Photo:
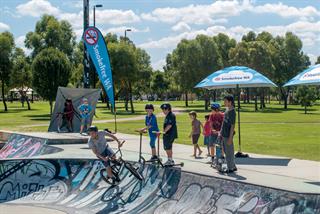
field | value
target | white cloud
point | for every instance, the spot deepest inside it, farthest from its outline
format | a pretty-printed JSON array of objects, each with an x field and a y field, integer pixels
[
  {"x": 313, "y": 58},
  {"x": 220, "y": 10},
  {"x": 181, "y": 26},
  {"x": 116, "y": 17},
  {"x": 195, "y": 14},
  {"x": 20, "y": 43},
  {"x": 4, "y": 27},
  {"x": 286, "y": 11},
  {"x": 170, "y": 42},
  {"x": 158, "y": 65},
  {"x": 36, "y": 8},
  {"x": 308, "y": 32},
  {"x": 120, "y": 30}
]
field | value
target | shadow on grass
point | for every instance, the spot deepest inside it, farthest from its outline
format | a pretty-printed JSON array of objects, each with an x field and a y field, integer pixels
[
  {"x": 39, "y": 117},
  {"x": 17, "y": 110},
  {"x": 263, "y": 161}
]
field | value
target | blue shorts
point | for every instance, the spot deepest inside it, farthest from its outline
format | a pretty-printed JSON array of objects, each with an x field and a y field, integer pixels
[
  {"x": 153, "y": 139},
  {"x": 207, "y": 140},
  {"x": 213, "y": 140},
  {"x": 107, "y": 153},
  {"x": 85, "y": 121}
]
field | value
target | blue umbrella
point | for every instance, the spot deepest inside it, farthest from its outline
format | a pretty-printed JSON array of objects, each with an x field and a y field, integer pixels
[
  {"x": 310, "y": 76},
  {"x": 236, "y": 77}
]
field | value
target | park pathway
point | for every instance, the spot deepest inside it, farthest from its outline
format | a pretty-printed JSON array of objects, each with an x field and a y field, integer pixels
[{"x": 140, "y": 117}]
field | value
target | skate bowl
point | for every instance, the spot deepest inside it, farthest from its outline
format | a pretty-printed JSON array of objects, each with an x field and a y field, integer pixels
[
  {"x": 75, "y": 186},
  {"x": 24, "y": 146}
]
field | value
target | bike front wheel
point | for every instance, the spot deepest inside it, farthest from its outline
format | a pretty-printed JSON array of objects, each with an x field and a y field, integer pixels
[{"x": 133, "y": 171}]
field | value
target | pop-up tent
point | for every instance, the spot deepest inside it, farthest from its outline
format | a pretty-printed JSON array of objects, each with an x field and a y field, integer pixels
[
  {"x": 235, "y": 77},
  {"x": 76, "y": 95},
  {"x": 310, "y": 76}
]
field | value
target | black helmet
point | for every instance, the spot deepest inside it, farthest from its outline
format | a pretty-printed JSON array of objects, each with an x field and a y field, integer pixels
[
  {"x": 165, "y": 106},
  {"x": 149, "y": 106},
  {"x": 92, "y": 129}
]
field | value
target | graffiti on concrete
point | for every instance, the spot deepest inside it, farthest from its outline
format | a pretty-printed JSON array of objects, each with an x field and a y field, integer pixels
[
  {"x": 75, "y": 186},
  {"x": 21, "y": 146}
]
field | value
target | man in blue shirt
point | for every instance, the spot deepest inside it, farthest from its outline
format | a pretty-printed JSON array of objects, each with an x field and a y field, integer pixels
[
  {"x": 151, "y": 126},
  {"x": 85, "y": 111}
]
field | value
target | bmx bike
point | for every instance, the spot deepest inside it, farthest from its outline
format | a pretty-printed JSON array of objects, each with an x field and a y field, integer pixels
[{"x": 117, "y": 165}]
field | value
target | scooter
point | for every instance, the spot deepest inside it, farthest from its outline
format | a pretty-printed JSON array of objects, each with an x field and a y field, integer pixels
[
  {"x": 219, "y": 161},
  {"x": 159, "y": 161}
]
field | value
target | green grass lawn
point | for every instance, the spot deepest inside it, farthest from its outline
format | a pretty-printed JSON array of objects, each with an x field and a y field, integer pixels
[{"x": 272, "y": 131}]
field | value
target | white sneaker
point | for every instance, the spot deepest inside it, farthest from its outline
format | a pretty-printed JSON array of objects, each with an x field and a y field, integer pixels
[{"x": 169, "y": 163}]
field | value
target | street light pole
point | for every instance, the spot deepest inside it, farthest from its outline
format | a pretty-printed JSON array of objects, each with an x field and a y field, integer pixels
[
  {"x": 94, "y": 25},
  {"x": 125, "y": 34},
  {"x": 86, "y": 64},
  {"x": 94, "y": 13}
]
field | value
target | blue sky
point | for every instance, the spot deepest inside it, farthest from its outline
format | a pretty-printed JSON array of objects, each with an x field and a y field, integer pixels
[{"x": 158, "y": 25}]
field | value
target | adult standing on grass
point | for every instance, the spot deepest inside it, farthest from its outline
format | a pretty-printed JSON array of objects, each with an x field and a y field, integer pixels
[
  {"x": 227, "y": 132},
  {"x": 170, "y": 132}
]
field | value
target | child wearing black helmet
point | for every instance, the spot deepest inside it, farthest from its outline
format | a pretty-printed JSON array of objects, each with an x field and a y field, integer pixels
[
  {"x": 170, "y": 132},
  {"x": 151, "y": 126}
]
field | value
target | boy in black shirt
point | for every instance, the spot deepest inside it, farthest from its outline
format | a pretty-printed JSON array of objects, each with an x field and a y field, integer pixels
[{"x": 170, "y": 132}]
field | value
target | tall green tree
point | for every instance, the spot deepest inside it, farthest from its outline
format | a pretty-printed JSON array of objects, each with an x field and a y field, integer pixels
[
  {"x": 224, "y": 44},
  {"x": 21, "y": 76},
  {"x": 192, "y": 61},
  {"x": 306, "y": 96},
  {"x": 49, "y": 32},
  {"x": 318, "y": 60},
  {"x": 288, "y": 60},
  {"x": 7, "y": 48},
  {"x": 51, "y": 69},
  {"x": 124, "y": 69},
  {"x": 159, "y": 84}
]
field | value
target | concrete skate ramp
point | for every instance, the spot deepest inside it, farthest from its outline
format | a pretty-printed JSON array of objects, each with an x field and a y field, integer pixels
[
  {"x": 75, "y": 186},
  {"x": 23, "y": 146}
]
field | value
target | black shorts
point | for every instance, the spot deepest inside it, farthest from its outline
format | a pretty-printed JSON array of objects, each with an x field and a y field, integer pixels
[
  {"x": 167, "y": 142},
  {"x": 195, "y": 138}
]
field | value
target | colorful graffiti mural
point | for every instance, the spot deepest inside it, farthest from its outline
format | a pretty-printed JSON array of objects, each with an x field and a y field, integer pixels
[
  {"x": 75, "y": 186},
  {"x": 22, "y": 146}
]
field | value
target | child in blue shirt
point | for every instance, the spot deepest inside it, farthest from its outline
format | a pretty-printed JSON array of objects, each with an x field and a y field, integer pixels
[
  {"x": 85, "y": 110},
  {"x": 151, "y": 126}
]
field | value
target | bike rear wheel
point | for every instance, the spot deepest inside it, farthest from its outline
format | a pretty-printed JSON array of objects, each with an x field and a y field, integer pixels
[{"x": 133, "y": 171}]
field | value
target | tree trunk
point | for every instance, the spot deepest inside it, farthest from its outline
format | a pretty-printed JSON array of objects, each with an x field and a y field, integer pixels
[
  {"x": 262, "y": 103},
  {"x": 50, "y": 103},
  {"x": 187, "y": 99},
  {"x": 130, "y": 97},
  {"x": 256, "y": 102},
  {"x": 206, "y": 101},
  {"x": 305, "y": 109},
  {"x": 3, "y": 98},
  {"x": 284, "y": 95},
  {"x": 126, "y": 100},
  {"x": 214, "y": 95}
]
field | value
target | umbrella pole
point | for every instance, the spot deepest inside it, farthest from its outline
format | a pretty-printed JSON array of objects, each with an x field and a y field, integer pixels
[
  {"x": 239, "y": 154},
  {"x": 115, "y": 117},
  {"x": 239, "y": 135}
]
